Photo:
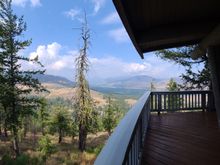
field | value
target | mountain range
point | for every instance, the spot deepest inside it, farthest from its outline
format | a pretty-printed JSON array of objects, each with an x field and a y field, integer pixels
[
  {"x": 132, "y": 82},
  {"x": 62, "y": 81}
]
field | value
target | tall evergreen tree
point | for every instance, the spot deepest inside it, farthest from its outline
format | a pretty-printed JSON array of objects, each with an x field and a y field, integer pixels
[
  {"x": 172, "y": 85},
  {"x": 83, "y": 100},
  {"x": 16, "y": 84},
  {"x": 192, "y": 78},
  {"x": 111, "y": 116},
  {"x": 174, "y": 100},
  {"x": 43, "y": 114},
  {"x": 60, "y": 121}
]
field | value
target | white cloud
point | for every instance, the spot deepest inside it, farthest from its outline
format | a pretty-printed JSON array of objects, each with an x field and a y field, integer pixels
[
  {"x": 35, "y": 3},
  {"x": 111, "y": 18},
  {"x": 115, "y": 67},
  {"x": 23, "y": 3},
  {"x": 161, "y": 68},
  {"x": 53, "y": 49},
  {"x": 58, "y": 65},
  {"x": 111, "y": 67},
  {"x": 137, "y": 68},
  {"x": 73, "y": 13},
  {"x": 54, "y": 61},
  {"x": 98, "y": 4},
  {"x": 60, "y": 62},
  {"x": 46, "y": 53},
  {"x": 119, "y": 35}
]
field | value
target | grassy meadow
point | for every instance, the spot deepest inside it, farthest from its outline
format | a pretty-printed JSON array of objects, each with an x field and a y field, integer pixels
[{"x": 66, "y": 153}]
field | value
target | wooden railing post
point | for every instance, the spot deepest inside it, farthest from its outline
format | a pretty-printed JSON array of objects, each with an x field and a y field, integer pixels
[
  {"x": 159, "y": 103},
  {"x": 203, "y": 102},
  {"x": 211, "y": 106}
]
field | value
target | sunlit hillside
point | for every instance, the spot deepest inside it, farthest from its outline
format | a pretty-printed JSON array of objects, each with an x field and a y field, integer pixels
[{"x": 57, "y": 90}]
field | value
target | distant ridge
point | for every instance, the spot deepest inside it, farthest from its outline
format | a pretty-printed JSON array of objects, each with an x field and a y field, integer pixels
[
  {"x": 133, "y": 82},
  {"x": 137, "y": 82},
  {"x": 46, "y": 78}
]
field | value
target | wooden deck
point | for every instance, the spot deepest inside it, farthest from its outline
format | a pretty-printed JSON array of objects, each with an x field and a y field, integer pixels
[{"x": 183, "y": 138}]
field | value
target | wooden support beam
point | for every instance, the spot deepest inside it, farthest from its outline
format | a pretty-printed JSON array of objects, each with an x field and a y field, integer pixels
[
  {"x": 214, "y": 60},
  {"x": 211, "y": 40}
]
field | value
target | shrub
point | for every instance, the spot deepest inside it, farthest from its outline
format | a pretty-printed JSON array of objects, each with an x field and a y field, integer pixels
[
  {"x": 20, "y": 160},
  {"x": 45, "y": 147}
]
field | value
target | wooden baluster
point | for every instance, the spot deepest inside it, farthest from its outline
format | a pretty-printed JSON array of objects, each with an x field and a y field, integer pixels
[
  {"x": 159, "y": 103},
  {"x": 203, "y": 102},
  {"x": 165, "y": 102},
  {"x": 190, "y": 102},
  {"x": 197, "y": 100},
  {"x": 156, "y": 108},
  {"x": 169, "y": 98},
  {"x": 183, "y": 101},
  {"x": 151, "y": 101},
  {"x": 193, "y": 100},
  {"x": 172, "y": 96},
  {"x": 175, "y": 101}
]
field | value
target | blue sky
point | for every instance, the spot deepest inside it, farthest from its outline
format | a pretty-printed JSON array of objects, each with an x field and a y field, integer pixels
[{"x": 51, "y": 23}]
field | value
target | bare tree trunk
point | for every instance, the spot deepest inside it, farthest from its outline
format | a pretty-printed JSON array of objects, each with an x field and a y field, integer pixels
[
  {"x": 25, "y": 130},
  {"x": 5, "y": 124},
  {"x": 60, "y": 136},
  {"x": 214, "y": 60},
  {"x": 34, "y": 135},
  {"x": 42, "y": 130},
  {"x": 82, "y": 137},
  {"x": 15, "y": 142},
  {"x": 5, "y": 131}
]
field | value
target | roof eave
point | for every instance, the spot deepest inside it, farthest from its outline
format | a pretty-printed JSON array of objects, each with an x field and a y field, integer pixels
[{"x": 121, "y": 11}]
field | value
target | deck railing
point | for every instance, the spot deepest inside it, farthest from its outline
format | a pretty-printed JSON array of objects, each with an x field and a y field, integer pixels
[
  {"x": 125, "y": 144},
  {"x": 182, "y": 100}
]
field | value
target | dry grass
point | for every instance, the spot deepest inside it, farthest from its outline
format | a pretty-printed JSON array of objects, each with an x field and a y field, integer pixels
[
  {"x": 130, "y": 102},
  {"x": 68, "y": 93},
  {"x": 66, "y": 152}
]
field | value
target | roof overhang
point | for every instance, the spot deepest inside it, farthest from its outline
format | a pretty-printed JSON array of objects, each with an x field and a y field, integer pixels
[{"x": 159, "y": 24}]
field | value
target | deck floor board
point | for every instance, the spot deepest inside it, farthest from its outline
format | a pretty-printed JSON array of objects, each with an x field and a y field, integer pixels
[{"x": 182, "y": 138}]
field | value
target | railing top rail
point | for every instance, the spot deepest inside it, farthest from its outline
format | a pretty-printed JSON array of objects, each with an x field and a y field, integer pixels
[
  {"x": 115, "y": 149},
  {"x": 167, "y": 92}
]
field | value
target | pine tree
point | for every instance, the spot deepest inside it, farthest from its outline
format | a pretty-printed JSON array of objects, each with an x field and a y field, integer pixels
[
  {"x": 172, "y": 85},
  {"x": 83, "y": 101},
  {"x": 175, "y": 100},
  {"x": 60, "y": 121},
  {"x": 152, "y": 87},
  {"x": 111, "y": 116},
  {"x": 43, "y": 114},
  {"x": 16, "y": 84},
  {"x": 191, "y": 79}
]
